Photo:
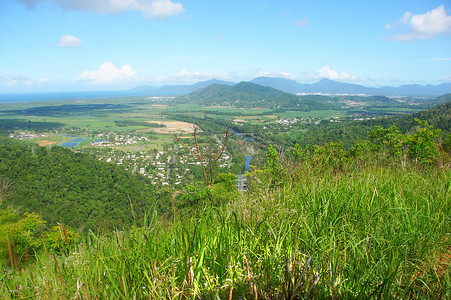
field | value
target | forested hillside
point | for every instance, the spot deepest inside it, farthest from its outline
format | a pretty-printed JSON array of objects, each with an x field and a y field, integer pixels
[{"x": 71, "y": 188}]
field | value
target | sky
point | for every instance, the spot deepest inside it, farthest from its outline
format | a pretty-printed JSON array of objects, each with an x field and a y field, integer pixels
[{"x": 82, "y": 45}]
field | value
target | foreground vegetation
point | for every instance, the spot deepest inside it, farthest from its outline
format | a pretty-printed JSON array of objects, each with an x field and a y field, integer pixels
[
  {"x": 368, "y": 217},
  {"x": 317, "y": 222}
]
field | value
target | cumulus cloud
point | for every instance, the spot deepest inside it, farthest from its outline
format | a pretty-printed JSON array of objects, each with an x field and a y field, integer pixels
[
  {"x": 69, "y": 41},
  {"x": 108, "y": 73},
  {"x": 162, "y": 9},
  {"x": 327, "y": 72},
  {"x": 421, "y": 26},
  {"x": 402, "y": 21},
  {"x": 153, "y": 9}
]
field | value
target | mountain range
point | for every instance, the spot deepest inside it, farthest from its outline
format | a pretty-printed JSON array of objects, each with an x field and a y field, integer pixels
[{"x": 324, "y": 86}]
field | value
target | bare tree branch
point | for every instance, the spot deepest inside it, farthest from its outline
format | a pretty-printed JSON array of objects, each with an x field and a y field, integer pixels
[{"x": 212, "y": 155}]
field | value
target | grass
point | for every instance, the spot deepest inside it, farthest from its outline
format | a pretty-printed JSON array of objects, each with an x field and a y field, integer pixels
[{"x": 373, "y": 232}]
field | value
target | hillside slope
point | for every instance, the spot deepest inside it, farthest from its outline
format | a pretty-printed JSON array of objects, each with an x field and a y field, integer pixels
[{"x": 71, "y": 188}]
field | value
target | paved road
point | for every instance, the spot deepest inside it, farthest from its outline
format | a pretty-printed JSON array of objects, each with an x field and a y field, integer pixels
[{"x": 241, "y": 182}]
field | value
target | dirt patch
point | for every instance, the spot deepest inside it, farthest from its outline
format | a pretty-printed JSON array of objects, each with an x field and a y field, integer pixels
[
  {"x": 45, "y": 143},
  {"x": 174, "y": 127},
  {"x": 159, "y": 105}
]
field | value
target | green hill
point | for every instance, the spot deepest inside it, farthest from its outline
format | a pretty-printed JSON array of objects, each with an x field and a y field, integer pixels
[
  {"x": 250, "y": 95},
  {"x": 71, "y": 188}
]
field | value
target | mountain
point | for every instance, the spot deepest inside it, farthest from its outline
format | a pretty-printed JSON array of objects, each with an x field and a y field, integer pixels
[
  {"x": 281, "y": 84},
  {"x": 251, "y": 95},
  {"x": 327, "y": 86},
  {"x": 179, "y": 89},
  {"x": 416, "y": 90},
  {"x": 324, "y": 86}
]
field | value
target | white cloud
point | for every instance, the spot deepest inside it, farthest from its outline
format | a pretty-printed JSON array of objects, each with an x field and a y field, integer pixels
[
  {"x": 162, "y": 9},
  {"x": 446, "y": 78},
  {"x": 422, "y": 26},
  {"x": 153, "y": 9},
  {"x": 327, "y": 72},
  {"x": 402, "y": 21},
  {"x": 12, "y": 80},
  {"x": 108, "y": 73},
  {"x": 69, "y": 41},
  {"x": 301, "y": 23},
  {"x": 275, "y": 74}
]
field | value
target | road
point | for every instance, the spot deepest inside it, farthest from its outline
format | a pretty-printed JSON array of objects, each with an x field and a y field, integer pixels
[{"x": 241, "y": 182}]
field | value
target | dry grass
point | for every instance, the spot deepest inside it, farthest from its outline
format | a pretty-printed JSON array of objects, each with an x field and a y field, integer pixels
[
  {"x": 45, "y": 143},
  {"x": 174, "y": 127}
]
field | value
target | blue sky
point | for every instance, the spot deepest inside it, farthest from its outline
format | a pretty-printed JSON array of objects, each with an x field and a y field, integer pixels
[{"x": 74, "y": 45}]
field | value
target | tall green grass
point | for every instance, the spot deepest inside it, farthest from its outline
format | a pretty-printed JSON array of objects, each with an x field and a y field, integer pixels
[{"x": 372, "y": 232}]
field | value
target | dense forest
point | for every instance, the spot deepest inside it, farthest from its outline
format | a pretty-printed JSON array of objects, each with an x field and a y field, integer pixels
[{"x": 71, "y": 188}]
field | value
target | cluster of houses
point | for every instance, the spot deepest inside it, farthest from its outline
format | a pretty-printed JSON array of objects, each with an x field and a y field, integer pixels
[
  {"x": 24, "y": 135},
  {"x": 113, "y": 139},
  {"x": 166, "y": 167},
  {"x": 304, "y": 120},
  {"x": 170, "y": 166}
]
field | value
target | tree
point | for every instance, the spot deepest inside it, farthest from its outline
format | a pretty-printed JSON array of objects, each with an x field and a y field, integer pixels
[
  {"x": 273, "y": 164},
  {"x": 388, "y": 140},
  {"x": 421, "y": 145}
]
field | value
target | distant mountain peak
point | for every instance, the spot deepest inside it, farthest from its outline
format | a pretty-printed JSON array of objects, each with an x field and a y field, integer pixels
[{"x": 323, "y": 86}]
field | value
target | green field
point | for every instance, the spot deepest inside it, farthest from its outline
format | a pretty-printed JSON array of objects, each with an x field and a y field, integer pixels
[{"x": 57, "y": 118}]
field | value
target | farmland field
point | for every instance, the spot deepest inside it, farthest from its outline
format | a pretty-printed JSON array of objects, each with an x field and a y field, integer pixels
[{"x": 126, "y": 115}]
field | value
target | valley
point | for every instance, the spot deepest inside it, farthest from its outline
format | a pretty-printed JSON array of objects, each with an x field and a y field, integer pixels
[{"x": 203, "y": 169}]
